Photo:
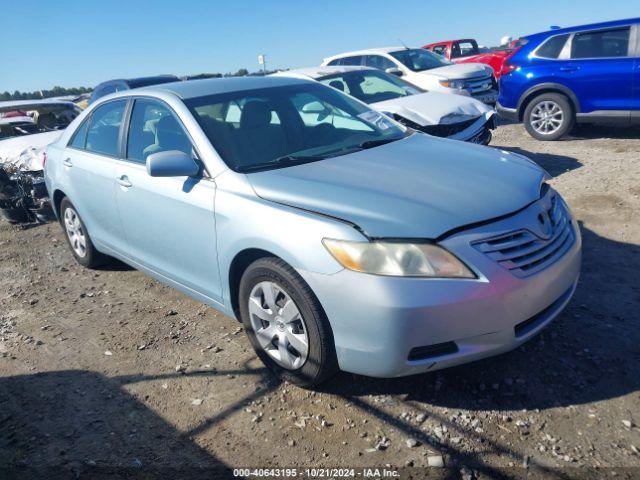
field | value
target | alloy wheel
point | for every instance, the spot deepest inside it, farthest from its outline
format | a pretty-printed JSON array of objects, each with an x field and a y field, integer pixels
[
  {"x": 75, "y": 232},
  {"x": 547, "y": 117},
  {"x": 278, "y": 325}
]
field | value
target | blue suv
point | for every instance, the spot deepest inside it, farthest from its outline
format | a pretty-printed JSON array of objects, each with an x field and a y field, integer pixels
[{"x": 589, "y": 73}]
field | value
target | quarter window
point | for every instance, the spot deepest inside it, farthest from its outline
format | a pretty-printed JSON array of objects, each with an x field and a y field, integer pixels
[
  {"x": 153, "y": 128},
  {"x": 80, "y": 136},
  {"x": 552, "y": 47},
  {"x": 102, "y": 136},
  {"x": 601, "y": 44}
]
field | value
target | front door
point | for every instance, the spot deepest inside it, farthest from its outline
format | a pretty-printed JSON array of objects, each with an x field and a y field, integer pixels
[{"x": 169, "y": 221}]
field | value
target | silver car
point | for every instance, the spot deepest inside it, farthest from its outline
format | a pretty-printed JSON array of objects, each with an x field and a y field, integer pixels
[{"x": 339, "y": 238}]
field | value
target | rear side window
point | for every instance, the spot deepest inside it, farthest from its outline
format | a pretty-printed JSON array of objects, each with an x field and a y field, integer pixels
[
  {"x": 357, "y": 60},
  {"x": 102, "y": 136},
  {"x": 80, "y": 136},
  {"x": 379, "y": 62},
  {"x": 552, "y": 47},
  {"x": 601, "y": 44},
  {"x": 153, "y": 128}
]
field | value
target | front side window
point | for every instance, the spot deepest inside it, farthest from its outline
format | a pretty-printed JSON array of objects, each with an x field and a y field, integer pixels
[
  {"x": 601, "y": 44},
  {"x": 104, "y": 129},
  {"x": 552, "y": 47},
  {"x": 379, "y": 62},
  {"x": 440, "y": 49},
  {"x": 280, "y": 126},
  {"x": 464, "y": 49},
  {"x": 419, "y": 59},
  {"x": 357, "y": 60},
  {"x": 370, "y": 86},
  {"x": 153, "y": 128}
]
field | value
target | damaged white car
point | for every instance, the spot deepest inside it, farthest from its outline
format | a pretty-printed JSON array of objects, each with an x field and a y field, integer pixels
[
  {"x": 26, "y": 128},
  {"x": 455, "y": 117}
]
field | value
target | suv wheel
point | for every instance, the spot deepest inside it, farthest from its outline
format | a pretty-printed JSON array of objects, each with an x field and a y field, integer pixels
[
  {"x": 78, "y": 237},
  {"x": 548, "y": 116},
  {"x": 286, "y": 324}
]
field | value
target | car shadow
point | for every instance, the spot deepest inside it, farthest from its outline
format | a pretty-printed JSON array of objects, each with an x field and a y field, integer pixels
[
  {"x": 80, "y": 424},
  {"x": 588, "y": 354},
  {"x": 589, "y": 131},
  {"x": 554, "y": 164}
]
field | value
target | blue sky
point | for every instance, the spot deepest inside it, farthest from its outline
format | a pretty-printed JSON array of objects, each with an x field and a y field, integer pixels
[{"x": 72, "y": 43}]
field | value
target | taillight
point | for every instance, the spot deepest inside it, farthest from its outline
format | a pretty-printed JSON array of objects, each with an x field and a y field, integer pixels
[{"x": 507, "y": 66}]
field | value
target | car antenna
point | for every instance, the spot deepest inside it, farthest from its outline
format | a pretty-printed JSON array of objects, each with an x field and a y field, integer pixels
[{"x": 404, "y": 45}]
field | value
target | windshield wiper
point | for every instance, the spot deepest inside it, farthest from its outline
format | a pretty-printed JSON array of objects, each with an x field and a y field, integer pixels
[
  {"x": 284, "y": 161},
  {"x": 377, "y": 142}
]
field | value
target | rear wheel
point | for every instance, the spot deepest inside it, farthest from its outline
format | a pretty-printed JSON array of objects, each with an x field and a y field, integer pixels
[
  {"x": 549, "y": 116},
  {"x": 286, "y": 324},
  {"x": 78, "y": 237}
]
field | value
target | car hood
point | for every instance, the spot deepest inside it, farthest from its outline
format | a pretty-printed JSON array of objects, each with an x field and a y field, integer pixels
[
  {"x": 418, "y": 187},
  {"x": 461, "y": 71},
  {"x": 433, "y": 108}
]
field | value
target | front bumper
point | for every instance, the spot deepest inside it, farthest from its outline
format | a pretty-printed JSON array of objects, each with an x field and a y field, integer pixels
[
  {"x": 509, "y": 114},
  {"x": 379, "y": 321}
]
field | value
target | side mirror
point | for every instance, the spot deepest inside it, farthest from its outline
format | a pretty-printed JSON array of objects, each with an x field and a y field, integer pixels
[
  {"x": 394, "y": 71},
  {"x": 171, "y": 163},
  {"x": 313, "y": 107}
]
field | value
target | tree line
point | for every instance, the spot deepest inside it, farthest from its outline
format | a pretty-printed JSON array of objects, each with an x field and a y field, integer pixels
[{"x": 62, "y": 91}]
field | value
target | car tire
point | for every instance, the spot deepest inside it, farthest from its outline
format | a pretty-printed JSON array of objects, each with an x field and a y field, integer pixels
[
  {"x": 78, "y": 237},
  {"x": 549, "y": 116},
  {"x": 271, "y": 281}
]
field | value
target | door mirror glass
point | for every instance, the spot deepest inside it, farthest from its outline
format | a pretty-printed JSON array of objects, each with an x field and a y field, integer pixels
[
  {"x": 172, "y": 163},
  {"x": 394, "y": 71}
]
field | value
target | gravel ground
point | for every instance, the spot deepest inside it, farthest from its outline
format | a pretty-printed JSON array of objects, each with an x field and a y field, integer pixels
[{"x": 111, "y": 373}]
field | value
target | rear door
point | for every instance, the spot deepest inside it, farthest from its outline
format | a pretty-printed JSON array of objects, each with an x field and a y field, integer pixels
[
  {"x": 635, "y": 39},
  {"x": 89, "y": 164},
  {"x": 169, "y": 221},
  {"x": 599, "y": 67}
]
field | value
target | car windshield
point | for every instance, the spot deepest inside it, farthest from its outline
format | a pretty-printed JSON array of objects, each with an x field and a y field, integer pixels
[
  {"x": 276, "y": 127},
  {"x": 419, "y": 60},
  {"x": 32, "y": 119},
  {"x": 370, "y": 86}
]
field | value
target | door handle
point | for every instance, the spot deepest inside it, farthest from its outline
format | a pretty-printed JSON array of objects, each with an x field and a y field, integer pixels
[
  {"x": 123, "y": 181},
  {"x": 569, "y": 69},
  {"x": 67, "y": 162}
]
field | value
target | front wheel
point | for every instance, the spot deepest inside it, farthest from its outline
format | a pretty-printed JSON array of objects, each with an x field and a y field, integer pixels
[
  {"x": 286, "y": 324},
  {"x": 78, "y": 238},
  {"x": 549, "y": 116}
]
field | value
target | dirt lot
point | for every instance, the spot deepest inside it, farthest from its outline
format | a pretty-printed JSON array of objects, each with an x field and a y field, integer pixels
[{"x": 109, "y": 373}]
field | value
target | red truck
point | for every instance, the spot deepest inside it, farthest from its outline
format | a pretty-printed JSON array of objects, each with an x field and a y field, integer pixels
[{"x": 466, "y": 51}]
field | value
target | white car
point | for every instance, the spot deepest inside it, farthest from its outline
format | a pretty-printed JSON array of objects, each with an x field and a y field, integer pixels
[
  {"x": 426, "y": 70},
  {"x": 27, "y": 127},
  {"x": 451, "y": 116}
]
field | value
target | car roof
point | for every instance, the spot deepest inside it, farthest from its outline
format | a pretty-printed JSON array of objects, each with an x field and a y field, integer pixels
[
  {"x": 11, "y": 105},
  {"x": 139, "y": 79},
  {"x": 319, "y": 72},
  {"x": 369, "y": 51},
  {"x": 212, "y": 86},
  {"x": 591, "y": 26}
]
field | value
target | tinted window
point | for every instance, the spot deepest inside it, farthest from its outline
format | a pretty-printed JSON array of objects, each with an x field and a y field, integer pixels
[
  {"x": 153, "y": 128},
  {"x": 102, "y": 136},
  {"x": 552, "y": 47},
  {"x": 379, "y": 62},
  {"x": 357, "y": 60},
  {"x": 80, "y": 136},
  {"x": 279, "y": 126},
  {"x": 601, "y": 44},
  {"x": 419, "y": 60},
  {"x": 337, "y": 61},
  {"x": 370, "y": 86}
]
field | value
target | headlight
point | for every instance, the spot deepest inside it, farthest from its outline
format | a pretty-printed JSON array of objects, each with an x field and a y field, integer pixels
[
  {"x": 397, "y": 259},
  {"x": 455, "y": 84}
]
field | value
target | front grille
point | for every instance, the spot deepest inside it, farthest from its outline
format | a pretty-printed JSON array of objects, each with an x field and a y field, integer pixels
[
  {"x": 479, "y": 85},
  {"x": 446, "y": 130},
  {"x": 523, "y": 252}
]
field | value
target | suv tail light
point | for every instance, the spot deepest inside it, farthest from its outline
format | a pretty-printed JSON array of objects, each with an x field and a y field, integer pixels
[{"x": 507, "y": 66}]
